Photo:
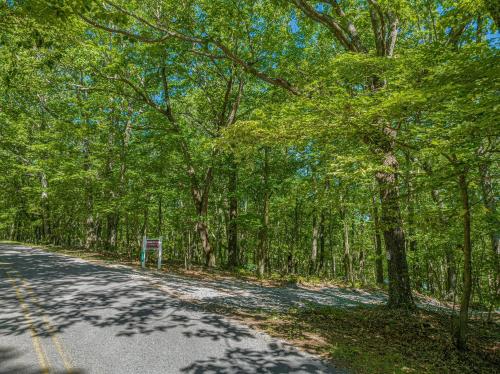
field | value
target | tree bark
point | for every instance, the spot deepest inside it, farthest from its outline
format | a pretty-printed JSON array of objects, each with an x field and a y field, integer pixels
[
  {"x": 45, "y": 206},
  {"x": 160, "y": 216},
  {"x": 264, "y": 226},
  {"x": 400, "y": 295},
  {"x": 314, "y": 246},
  {"x": 461, "y": 326},
  {"x": 451, "y": 269},
  {"x": 112, "y": 229},
  {"x": 321, "y": 241},
  {"x": 90, "y": 236},
  {"x": 202, "y": 230},
  {"x": 232, "y": 242},
  {"x": 489, "y": 202},
  {"x": 294, "y": 236},
  {"x": 349, "y": 276},
  {"x": 379, "y": 264},
  {"x": 200, "y": 197}
]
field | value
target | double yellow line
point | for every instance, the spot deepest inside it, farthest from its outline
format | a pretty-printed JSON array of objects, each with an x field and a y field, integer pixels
[{"x": 42, "y": 357}]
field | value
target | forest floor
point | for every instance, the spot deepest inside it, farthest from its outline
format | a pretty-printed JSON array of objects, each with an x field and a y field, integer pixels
[{"x": 348, "y": 326}]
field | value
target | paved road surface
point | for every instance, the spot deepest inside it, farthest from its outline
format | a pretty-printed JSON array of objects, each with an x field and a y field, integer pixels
[{"x": 64, "y": 315}]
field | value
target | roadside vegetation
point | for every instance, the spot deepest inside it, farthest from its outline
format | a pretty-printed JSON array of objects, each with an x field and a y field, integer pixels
[{"x": 376, "y": 340}]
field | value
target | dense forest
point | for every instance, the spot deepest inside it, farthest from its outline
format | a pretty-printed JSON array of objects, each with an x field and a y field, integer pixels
[{"x": 352, "y": 139}]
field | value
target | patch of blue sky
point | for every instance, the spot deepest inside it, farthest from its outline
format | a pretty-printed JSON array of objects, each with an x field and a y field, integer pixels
[
  {"x": 199, "y": 12},
  {"x": 304, "y": 171},
  {"x": 295, "y": 30},
  {"x": 87, "y": 79},
  {"x": 493, "y": 39},
  {"x": 305, "y": 156},
  {"x": 320, "y": 7},
  {"x": 158, "y": 98},
  {"x": 90, "y": 33},
  {"x": 294, "y": 24}
]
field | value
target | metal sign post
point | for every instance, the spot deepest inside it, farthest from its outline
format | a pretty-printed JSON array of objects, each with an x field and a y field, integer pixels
[{"x": 150, "y": 244}]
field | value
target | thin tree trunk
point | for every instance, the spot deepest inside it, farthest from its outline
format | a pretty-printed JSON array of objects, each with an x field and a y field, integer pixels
[
  {"x": 45, "y": 206},
  {"x": 264, "y": 227},
  {"x": 379, "y": 264},
  {"x": 314, "y": 246},
  {"x": 90, "y": 237},
  {"x": 144, "y": 228},
  {"x": 489, "y": 202},
  {"x": 362, "y": 266},
  {"x": 232, "y": 243},
  {"x": 349, "y": 277},
  {"x": 321, "y": 241},
  {"x": 294, "y": 237},
  {"x": 160, "y": 216},
  {"x": 451, "y": 270},
  {"x": 461, "y": 327},
  {"x": 112, "y": 228}
]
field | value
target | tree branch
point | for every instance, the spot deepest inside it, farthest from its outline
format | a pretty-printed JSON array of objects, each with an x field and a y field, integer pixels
[
  {"x": 327, "y": 21},
  {"x": 205, "y": 42}
]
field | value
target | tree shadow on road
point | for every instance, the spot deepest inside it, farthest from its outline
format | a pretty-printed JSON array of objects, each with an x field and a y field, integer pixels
[
  {"x": 9, "y": 363},
  {"x": 274, "y": 359},
  {"x": 70, "y": 291}
]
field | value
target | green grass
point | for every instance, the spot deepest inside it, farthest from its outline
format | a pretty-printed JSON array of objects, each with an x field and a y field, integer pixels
[{"x": 377, "y": 340}]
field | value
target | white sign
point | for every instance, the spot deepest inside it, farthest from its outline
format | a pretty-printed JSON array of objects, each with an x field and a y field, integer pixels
[{"x": 150, "y": 244}]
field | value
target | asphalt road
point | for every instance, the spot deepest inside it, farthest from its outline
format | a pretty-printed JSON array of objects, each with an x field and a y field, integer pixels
[{"x": 65, "y": 315}]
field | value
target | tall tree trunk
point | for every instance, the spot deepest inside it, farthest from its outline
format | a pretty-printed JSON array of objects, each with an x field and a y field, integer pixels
[
  {"x": 45, "y": 206},
  {"x": 160, "y": 216},
  {"x": 122, "y": 189},
  {"x": 199, "y": 191},
  {"x": 199, "y": 194},
  {"x": 321, "y": 241},
  {"x": 144, "y": 228},
  {"x": 362, "y": 266},
  {"x": 461, "y": 326},
  {"x": 400, "y": 295},
  {"x": 314, "y": 246},
  {"x": 489, "y": 201},
  {"x": 264, "y": 226},
  {"x": 232, "y": 242},
  {"x": 90, "y": 236},
  {"x": 201, "y": 197},
  {"x": 90, "y": 225},
  {"x": 113, "y": 192},
  {"x": 112, "y": 229},
  {"x": 348, "y": 271},
  {"x": 411, "y": 242},
  {"x": 451, "y": 268},
  {"x": 379, "y": 264},
  {"x": 294, "y": 235}
]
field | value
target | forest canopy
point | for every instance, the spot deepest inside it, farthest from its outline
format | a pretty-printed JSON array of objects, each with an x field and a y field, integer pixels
[{"x": 350, "y": 139}]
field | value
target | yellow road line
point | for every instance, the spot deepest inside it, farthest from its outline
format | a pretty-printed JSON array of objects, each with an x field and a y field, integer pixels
[
  {"x": 42, "y": 359},
  {"x": 52, "y": 333}
]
